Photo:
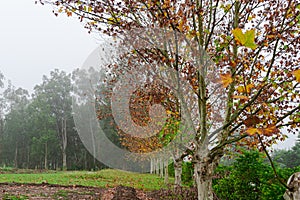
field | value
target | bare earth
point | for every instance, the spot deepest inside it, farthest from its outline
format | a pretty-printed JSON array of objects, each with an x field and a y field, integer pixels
[{"x": 48, "y": 191}]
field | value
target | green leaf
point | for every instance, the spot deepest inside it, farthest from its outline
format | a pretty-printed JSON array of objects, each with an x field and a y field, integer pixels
[{"x": 246, "y": 39}]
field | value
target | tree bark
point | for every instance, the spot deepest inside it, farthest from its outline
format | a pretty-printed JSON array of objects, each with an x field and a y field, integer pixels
[
  {"x": 156, "y": 166},
  {"x": 178, "y": 171},
  {"x": 203, "y": 178},
  {"x": 151, "y": 165},
  {"x": 64, "y": 143},
  {"x": 46, "y": 156},
  {"x": 166, "y": 164},
  {"x": 16, "y": 156},
  {"x": 161, "y": 167}
]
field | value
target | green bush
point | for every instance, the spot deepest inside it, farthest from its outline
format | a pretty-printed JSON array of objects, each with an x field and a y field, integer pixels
[
  {"x": 250, "y": 177},
  {"x": 187, "y": 173}
]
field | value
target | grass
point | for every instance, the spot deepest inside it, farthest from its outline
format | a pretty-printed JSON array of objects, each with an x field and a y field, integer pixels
[
  {"x": 103, "y": 178},
  {"x": 13, "y": 197}
]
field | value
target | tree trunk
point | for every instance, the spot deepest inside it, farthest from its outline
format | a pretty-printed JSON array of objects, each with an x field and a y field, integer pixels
[
  {"x": 16, "y": 156},
  {"x": 46, "y": 156},
  {"x": 294, "y": 183},
  {"x": 166, "y": 171},
  {"x": 178, "y": 171},
  {"x": 64, "y": 143},
  {"x": 28, "y": 157},
  {"x": 203, "y": 182},
  {"x": 157, "y": 166},
  {"x": 93, "y": 143},
  {"x": 151, "y": 165},
  {"x": 161, "y": 167}
]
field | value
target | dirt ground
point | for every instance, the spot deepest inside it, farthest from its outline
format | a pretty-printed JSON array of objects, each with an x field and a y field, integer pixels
[
  {"x": 47, "y": 191},
  {"x": 14, "y": 191}
]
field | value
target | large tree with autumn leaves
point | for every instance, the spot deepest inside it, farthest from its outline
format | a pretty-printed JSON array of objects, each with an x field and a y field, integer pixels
[{"x": 253, "y": 45}]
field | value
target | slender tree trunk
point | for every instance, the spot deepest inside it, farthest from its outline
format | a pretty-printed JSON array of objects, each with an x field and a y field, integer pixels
[
  {"x": 16, "y": 156},
  {"x": 156, "y": 166},
  {"x": 85, "y": 160},
  {"x": 46, "y": 156},
  {"x": 161, "y": 167},
  {"x": 166, "y": 171},
  {"x": 151, "y": 165},
  {"x": 178, "y": 171},
  {"x": 28, "y": 156},
  {"x": 94, "y": 145},
  {"x": 64, "y": 142}
]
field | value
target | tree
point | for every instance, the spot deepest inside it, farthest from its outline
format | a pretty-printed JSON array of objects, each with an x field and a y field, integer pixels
[
  {"x": 253, "y": 44},
  {"x": 288, "y": 158},
  {"x": 15, "y": 140},
  {"x": 88, "y": 96},
  {"x": 44, "y": 140},
  {"x": 57, "y": 91},
  {"x": 2, "y": 106}
]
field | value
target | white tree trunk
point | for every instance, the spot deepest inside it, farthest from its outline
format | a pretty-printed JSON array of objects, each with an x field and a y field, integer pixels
[
  {"x": 161, "y": 167},
  {"x": 178, "y": 172},
  {"x": 166, "y": 171},
  {"x": 64, "y": 143},
  {"x": 156, "y": 166},
  {"x": 151, "y": 165},
  {"x": 203, "y": 182},
  {"x": 294, "y": 183}
]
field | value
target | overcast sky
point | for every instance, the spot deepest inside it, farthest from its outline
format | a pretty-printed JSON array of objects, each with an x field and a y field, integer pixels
[{"x": 34, "y": 41}]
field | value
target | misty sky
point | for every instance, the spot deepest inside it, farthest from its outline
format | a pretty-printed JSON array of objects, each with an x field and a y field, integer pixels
[{"x": 34, "y": 41}]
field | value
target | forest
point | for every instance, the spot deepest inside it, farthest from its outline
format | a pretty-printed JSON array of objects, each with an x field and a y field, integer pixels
[{"x": 37, "y": 129}]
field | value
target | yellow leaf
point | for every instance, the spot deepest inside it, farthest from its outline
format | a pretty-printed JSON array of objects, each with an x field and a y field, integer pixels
[
  {"x": 252, "y": 131},
  {"x": 226, "y": 79},
  {"x": 240, "y": 97},
  {"x": 246, "y": 39},
  {"x": 113, "y": 20},
  {"x": 249, "y": 87},
  {"x": 239, "y": 35},
  {"x": 181, "y": 25},
  {"x": 242, "y": 89},
  {"x": 296, "y": 73},
  {"x": 169, "y": 112}
]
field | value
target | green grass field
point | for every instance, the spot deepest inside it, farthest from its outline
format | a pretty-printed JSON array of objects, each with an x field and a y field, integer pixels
[{"x": 103, "y": 178}]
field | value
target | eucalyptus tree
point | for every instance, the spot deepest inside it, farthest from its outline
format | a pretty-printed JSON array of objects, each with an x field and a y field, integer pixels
[{"x": 56, "y": 90}]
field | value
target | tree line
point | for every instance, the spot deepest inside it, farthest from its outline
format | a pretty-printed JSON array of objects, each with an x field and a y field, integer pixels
[{"x": 37, "y": 130}]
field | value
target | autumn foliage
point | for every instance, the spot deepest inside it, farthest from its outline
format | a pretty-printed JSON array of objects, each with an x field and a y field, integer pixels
[{"x": 254, "y": 46}]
